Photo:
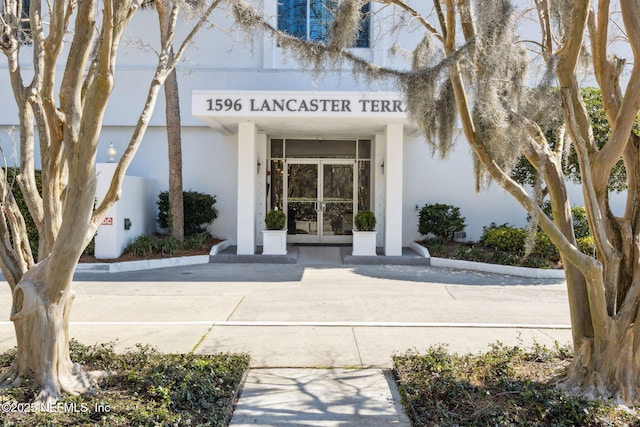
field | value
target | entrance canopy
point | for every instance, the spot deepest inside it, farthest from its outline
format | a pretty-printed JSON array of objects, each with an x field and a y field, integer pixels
[
  {"x": 259, "y": 117},
  {"x": 300, "y": 113}
]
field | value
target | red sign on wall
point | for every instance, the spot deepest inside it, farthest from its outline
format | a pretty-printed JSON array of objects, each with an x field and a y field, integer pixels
[{"x": 107, "y": 221}]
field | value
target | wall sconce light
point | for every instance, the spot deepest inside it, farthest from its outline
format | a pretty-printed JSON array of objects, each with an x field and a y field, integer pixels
[
  {"x": 382, "y": 167},
  {"x": 127, "y": 224},
  {"x": 258, "y": 167},
  {"x": 111, "y": 153}
]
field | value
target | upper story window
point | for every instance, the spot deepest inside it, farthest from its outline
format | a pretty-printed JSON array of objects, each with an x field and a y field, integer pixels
[
  {"x": 17, "y": 18},
  {"x": 310, "y": 20},
  {"x": 25, "y": 25}
]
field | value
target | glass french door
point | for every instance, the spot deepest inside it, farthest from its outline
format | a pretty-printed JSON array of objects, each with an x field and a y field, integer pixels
[{"x": 320, "y": 200}]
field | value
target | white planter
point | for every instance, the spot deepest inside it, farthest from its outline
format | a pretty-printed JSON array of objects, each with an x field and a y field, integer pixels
[
  {"x": 274, "y": 242},
  {"x": 364, "y": 243}
]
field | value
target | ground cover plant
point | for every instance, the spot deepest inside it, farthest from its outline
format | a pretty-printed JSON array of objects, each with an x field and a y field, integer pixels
[
  {"x": 155, "y": 246},
  {"x": 505, "y": 386},
  {"x": 141, "y": 387}
]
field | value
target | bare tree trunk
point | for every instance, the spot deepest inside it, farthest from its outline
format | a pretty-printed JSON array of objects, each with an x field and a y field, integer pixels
[
  {"x": 42, "y": 334},
  {"x": 174, "y": 143},
  {"x": 174, "y": 137},
  {"x": 607, "y": 368}
]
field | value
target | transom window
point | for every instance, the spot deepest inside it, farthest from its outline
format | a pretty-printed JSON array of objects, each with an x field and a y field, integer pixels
[{"x": 310, "y": 20}]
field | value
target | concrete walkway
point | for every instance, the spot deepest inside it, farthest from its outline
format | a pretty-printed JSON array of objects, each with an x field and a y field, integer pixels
[{"x": 321, "y": 335}]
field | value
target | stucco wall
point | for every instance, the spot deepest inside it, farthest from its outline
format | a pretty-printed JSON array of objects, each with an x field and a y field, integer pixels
[{"x": 136, "y": 207}]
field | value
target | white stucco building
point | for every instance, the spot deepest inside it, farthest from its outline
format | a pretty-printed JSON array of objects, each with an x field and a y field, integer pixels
[{"x": 260, "y": 133}]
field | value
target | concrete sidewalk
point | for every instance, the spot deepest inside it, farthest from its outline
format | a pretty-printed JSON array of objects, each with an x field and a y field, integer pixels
[{"x": 353, "y": 318}]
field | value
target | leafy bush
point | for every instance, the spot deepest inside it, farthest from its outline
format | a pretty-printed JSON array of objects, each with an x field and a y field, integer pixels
[
  {"x": 199, "y": 209},
  {"x": 196, "y": 241},
  {"x": 144, "y": 245},
  {"x": 580, "y": 224},
  {"x": 579, "y": 218},
  {"x": 504, "y": 238},
  {"x": 275, "y": 220},
  {"x": 511, "y": 240},
  {"x": 169, "y": 245},
  {"x": 587, "y": 245},
  {"x": 441, "y": 220},
  {"x": 544, "y": 248},
  {"x": 503, "y": 258},
  {"x": 365, "y": 221}
]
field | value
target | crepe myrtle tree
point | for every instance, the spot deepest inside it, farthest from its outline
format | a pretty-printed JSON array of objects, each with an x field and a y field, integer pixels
[
  {"x": 471, "y": 68},
  {"x": 61, "y": 116}
]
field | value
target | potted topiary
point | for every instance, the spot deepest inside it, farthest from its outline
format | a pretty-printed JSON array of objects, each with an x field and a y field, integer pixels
[
  {"x": 274, "y": 238},
  {"x": 364, "y": 236}
]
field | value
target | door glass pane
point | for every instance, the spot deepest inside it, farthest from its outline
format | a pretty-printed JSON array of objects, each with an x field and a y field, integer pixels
[
  {"x": 338, "y": 199},
  {"x": 364, "y": 185},
  {"x": 277, "y": 189},
  {"x": 302, "y": 217}
]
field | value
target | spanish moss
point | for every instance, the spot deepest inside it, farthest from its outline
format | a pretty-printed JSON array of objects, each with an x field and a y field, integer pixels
[
  {"x": 344, "y": 28},
  {"x": 500, "y": 72}
]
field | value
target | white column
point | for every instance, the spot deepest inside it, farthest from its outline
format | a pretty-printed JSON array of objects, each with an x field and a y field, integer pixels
[
  {"x": 247, "y": 173},
  {"x": 393, "y": 174}
]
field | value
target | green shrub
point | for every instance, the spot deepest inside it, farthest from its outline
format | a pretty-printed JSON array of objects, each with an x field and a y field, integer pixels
[
  {"x": 365, "y": 221},
  {"x": 196, "y": 241},
  {"x": 544, "y": 248},
  {"x": 436, "y": 248},
  {"x": 169, "y": 245},
  {"x": 275, "y": 220},
  {"x": 144, "y": 245},
  {"x": 579, "y": 217},
  {"x": 504, "y": 238},
  {"x": 504, "y": 258},
  {"x": 580, "y": 224},
  {"x": 198, "y": 209},
  {"x": 511, "y": 240},
  {"x": 441, "y": 220},
  {"x": 587, "y": 245}
]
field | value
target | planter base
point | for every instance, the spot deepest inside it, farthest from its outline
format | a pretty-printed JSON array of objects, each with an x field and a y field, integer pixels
[
  {"x": 274, "y": 242},
  {"x": 364, "y": 243}
]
